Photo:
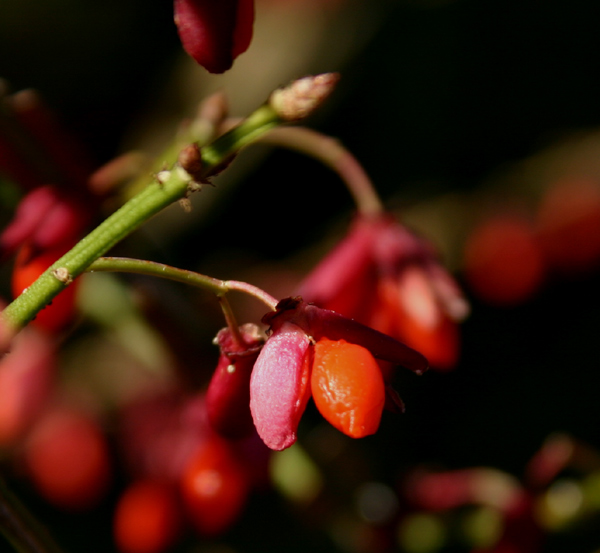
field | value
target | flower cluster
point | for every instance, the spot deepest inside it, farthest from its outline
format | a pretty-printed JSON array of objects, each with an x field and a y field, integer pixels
[
  {"x": 389, "y": 279},
  {"x": 314, "y": 351}
]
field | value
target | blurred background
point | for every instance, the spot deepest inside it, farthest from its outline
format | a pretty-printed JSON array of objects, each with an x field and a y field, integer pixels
[{"x": 479, "y": 123}]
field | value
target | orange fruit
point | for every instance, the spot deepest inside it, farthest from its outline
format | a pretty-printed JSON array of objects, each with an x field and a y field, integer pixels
[{"x": 347, "y": 387}]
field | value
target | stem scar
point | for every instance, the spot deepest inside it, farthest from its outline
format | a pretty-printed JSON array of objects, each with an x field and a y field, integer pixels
[{"x": 62, "y": 274}]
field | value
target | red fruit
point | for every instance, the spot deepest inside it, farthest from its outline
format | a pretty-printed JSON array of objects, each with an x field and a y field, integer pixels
[
  {"x": 503, "y": 262},
  {"x": 68, "y": 459},
  {"x": 347, "y": 387},
  {"x": 28, "y": 267},
  {"x": 147, "y": 518},
  {"x": 214, "y": 488}
]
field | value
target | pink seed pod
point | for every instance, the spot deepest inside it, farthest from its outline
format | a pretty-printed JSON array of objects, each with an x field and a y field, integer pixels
[{"x": 279, "y": 387}]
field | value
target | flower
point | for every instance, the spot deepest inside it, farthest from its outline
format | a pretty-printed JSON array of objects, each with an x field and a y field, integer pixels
[
  {"x": 389, "y": 279},
  {"x": 213, "y": 32},
  {"x": 319, "y": 352}
]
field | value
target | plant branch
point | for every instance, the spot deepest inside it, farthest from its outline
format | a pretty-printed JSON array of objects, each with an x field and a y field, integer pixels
[
  {"x": 167, "y": 187},
  {"x": 218, "y": 287}
]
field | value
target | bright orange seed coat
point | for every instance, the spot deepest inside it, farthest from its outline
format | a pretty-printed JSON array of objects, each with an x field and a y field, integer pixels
[{"x": 347, "y": 387}]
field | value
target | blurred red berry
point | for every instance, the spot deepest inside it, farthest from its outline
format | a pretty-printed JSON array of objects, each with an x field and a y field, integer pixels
[
  {"x": 215, "y": 33},
  {"x": 568, "y": 226},
  {"x": 159, "y": 431},
  {"x": 147, "y": 518},
  {"x": 68, "y": 460},
  {"x": 26, "y": 377},
  {"x": 29, "y": 265},
  {"x": 214, "y": 488},
  {"x": 503, "y": 262}
]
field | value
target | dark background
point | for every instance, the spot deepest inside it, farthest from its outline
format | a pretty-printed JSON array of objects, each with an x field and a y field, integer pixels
[{"x": 440, "y": 97}]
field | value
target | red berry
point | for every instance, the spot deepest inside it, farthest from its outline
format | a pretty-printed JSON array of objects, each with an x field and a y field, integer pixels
[
  {"x": 147, "y": 518},
  {"x": 503, "y": 262},
  {"x": 68, "y": 459},
  {"x": 214, "y": 488}
]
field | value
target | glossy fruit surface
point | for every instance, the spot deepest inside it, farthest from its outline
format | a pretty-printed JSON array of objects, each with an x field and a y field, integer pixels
[
  {"x": 214, "y": 488},
  {"x": 347, "y": 387},
  {"x": 147, "y": 518}
]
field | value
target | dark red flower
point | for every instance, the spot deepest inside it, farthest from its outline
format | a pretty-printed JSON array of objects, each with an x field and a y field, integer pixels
[{"x": 215, "y": 32}]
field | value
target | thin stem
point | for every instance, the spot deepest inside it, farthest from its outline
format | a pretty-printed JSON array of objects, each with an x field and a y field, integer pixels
[
  {"x": 251, "y": 290},
  {"x": 333, "y": 154},
  {"x": 248, "y": 131},
  {"x": 231, "y": 321},
  {"x": 210, "y": 284}
]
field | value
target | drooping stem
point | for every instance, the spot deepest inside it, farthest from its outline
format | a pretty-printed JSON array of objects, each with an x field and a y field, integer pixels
[
  {"x": 335, "y": 156},
  {"x": 251, "y": 290},
  {"x": 218, "y": 287},
  {"x": 231, "y": 321}
]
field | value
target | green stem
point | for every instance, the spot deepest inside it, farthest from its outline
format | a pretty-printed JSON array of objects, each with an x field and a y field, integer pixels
[
  {"x": 210, "y": 284},
  {"x": 174, "y": 184}
]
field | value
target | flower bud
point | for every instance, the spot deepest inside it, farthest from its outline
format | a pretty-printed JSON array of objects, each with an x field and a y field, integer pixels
[{"x": 303, "y": 96}]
